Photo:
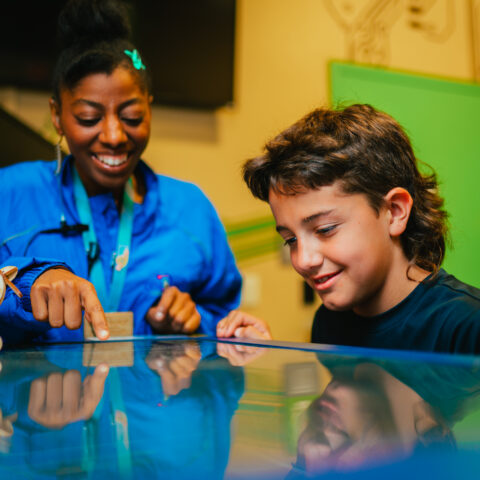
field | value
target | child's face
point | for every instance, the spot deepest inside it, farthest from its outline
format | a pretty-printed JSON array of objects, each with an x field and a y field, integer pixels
[{"x": 339, "y": 245}]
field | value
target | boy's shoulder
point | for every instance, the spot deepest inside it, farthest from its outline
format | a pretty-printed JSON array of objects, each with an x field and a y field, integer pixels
[
  {"x": 446, "y": 292},
  {"x": 441, "y": 314},
  {"x": 454, "y": 287},
  {"x": 445, "y": 316}
]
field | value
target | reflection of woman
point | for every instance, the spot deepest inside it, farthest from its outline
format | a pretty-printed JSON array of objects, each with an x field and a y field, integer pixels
[
  {"x": 129, "y": 428},
  {"x": 368, "y": 416},
  {"x": 145, "y": 236}
]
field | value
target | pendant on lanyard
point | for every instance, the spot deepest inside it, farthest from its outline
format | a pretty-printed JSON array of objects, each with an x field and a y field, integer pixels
[{"x": 109, "y": 298}]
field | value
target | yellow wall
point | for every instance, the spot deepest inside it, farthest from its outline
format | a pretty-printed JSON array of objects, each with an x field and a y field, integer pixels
[{"x": 282, "y": 51}]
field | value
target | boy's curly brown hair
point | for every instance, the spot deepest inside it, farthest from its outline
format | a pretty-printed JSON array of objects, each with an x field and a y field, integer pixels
[{"x": 368, "y": 152}]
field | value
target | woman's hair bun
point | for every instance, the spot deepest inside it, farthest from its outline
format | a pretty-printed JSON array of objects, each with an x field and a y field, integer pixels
[{"x": 92, "y": 21}]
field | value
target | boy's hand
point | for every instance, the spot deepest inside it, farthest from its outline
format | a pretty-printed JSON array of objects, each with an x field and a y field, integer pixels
[
  {"x": 175, "y": 313},
  {"x": 239, "y": 355},
  {"x": 58, "y": 297},
  {"x": 242, "y": 325}
]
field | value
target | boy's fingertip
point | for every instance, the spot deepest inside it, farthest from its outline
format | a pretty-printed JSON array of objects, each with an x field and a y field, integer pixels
[
  {"x": 159, "y": 315},
  {"x": 238, "y": 332}
]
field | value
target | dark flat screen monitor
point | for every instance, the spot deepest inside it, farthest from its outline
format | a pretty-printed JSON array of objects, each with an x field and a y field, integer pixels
[{"x": 188, "y": 45}]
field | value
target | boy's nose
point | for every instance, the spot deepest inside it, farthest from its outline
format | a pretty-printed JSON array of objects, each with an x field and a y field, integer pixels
[{"x": 308, "y": 256}]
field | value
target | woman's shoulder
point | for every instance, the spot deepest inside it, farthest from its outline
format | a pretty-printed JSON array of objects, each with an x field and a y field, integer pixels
[
  {"x": 182, "y": 193},
  {"x": 27, "y": 179},
  {"x": 173, "y": 184},
  {"x": 176, "y": 201},
  {"x": 27, "y": 173}
]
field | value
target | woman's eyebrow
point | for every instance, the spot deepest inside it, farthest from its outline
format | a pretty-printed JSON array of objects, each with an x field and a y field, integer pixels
[
  {"x": 83, "y": 101},
  {"x": 99, "y": 105}
]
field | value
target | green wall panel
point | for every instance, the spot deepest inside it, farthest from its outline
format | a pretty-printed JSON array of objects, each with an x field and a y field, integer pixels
[{"x": 442, "y": 118}]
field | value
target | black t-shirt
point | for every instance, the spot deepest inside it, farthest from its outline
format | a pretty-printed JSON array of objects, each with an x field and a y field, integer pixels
[{"x": 441, "y": 315}]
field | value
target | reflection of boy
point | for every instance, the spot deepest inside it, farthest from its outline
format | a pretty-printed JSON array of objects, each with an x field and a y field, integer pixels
[
  {"x": 366, "y": 230},
  {"x": 367, "y": 416}
]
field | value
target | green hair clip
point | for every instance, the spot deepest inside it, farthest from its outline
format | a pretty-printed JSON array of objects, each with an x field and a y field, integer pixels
[{"x": 136, "y": 60}]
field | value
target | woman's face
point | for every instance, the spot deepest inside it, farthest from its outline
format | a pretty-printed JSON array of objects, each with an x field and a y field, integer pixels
[{"x": 106, "y": 122}]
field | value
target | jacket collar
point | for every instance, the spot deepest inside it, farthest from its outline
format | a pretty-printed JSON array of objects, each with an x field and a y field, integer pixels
[{"x": 145, "y": 213}]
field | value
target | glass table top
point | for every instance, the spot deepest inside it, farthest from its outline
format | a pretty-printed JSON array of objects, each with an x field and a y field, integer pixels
[{"x": 178, "y": 407}]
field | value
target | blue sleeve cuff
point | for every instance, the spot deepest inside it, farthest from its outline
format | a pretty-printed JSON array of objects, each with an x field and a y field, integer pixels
[
  {"x": 28, "y": 271},
  {"x": 208, "y": 322}
]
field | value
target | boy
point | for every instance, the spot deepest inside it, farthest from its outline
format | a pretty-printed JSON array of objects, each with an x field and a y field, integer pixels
[{"x": 366, "y": 231}]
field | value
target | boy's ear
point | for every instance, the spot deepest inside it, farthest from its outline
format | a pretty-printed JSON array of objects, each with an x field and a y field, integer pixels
[
  {"x": 55, "y": 114},
  {"x": 399, "y": 203}
]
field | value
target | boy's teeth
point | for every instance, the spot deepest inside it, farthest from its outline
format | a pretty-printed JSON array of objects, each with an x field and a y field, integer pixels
[
  {"x": 324, "y": 279},
  {"x": 112, "y": 161}
]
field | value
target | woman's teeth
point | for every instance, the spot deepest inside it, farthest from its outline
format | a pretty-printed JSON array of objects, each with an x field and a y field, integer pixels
[{"x": 112, "y": 161}]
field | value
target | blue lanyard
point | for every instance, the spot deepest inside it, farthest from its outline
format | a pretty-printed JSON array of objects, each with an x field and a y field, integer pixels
[
  {"x": 110, "y": 299},
  {"x": 119, "y": 420}
]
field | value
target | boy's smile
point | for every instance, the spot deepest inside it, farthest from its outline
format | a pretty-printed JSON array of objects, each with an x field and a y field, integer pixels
[{"x": 343, "y": 249}]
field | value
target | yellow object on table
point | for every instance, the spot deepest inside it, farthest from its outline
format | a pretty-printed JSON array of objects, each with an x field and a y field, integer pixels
[{"x": 7, "y": 274}]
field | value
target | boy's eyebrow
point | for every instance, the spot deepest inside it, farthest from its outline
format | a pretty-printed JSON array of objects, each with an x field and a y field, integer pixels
[
  {"x": 306, "y": 220},
  {"x": 280, "y": 229},
  {"x": 316, "y": 216}
]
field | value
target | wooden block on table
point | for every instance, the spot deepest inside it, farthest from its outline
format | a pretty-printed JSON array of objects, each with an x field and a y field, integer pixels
[
  {"x": 120, "y": 324},
  {"x": 114, "y": 354}
]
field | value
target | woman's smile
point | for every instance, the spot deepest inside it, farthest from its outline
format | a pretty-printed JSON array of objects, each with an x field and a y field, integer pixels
[{"x": 111, "y": 160}]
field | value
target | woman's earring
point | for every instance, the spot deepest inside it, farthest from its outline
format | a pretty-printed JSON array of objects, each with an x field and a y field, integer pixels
[{"x": 58, "y": 155}]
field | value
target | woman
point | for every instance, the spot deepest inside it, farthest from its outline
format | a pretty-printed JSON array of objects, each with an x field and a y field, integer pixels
[{"x": 128, "y": 240}]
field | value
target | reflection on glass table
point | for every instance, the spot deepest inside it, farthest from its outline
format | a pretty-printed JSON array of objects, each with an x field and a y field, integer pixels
[{"x": 177, "y": 407}]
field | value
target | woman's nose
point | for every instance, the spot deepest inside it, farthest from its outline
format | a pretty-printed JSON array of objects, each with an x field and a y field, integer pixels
[{"x": 113, "y": 132}]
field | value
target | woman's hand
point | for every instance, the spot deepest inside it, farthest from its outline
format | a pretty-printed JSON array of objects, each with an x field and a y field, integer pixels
[
  {"x": 63, "y": 398},
  {"x": 242, "y": 325},
  {"x": 58, "y": 297},
  {"x": 174, "y": 313},
  {"x": 6, "y": 424},
  {"x": 175, "y": 366}
]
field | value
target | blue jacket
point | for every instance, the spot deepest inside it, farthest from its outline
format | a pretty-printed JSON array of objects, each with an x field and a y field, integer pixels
[{"x": 176, "y": 232}]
